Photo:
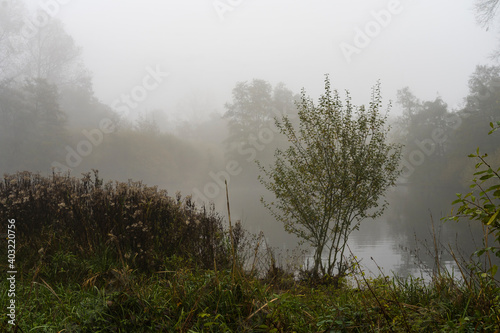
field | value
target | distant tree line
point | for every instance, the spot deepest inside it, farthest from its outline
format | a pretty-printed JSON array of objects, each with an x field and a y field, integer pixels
[
  {"x": 437, "y": 141},
  {"x": 47, "y": 102}
]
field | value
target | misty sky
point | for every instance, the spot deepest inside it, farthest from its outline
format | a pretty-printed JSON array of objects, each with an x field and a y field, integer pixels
[{"x": 431, "y": 46}]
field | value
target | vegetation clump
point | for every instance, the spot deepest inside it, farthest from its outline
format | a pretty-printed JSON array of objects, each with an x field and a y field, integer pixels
[{"x": 134, "y": 224}]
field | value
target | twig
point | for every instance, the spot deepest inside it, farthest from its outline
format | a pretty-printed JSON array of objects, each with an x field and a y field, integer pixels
[
  {"x": 263, "y": 306},
  {"x": 230, "y": 231},
  {"x": 436, "y": 251}
]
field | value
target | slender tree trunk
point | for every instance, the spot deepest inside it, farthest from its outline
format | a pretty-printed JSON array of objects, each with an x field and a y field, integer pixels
[{"x": 317, "y": 260}]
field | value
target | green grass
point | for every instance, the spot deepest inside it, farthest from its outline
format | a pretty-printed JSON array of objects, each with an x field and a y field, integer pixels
[{"x": 196, "y": 300}]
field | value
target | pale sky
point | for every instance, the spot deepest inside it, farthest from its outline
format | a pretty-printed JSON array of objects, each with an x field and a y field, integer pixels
[{"x": 430, "y": 46}]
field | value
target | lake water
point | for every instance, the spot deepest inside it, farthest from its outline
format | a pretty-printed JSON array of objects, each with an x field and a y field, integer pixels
[
  {"x": 396, "y": 243},
  {"x": 380, "y": 253}
]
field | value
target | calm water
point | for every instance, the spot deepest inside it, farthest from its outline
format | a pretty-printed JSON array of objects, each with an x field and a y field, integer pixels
[
  {"x": 380, "y": 252},
  {"x": 399, "y": 242},
  {"x": 392, "y": 256}
]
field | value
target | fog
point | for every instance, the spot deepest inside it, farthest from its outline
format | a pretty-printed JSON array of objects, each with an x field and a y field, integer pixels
[
  {"x": 207, "y": 50},
  {"x": 149, "y": 81}
]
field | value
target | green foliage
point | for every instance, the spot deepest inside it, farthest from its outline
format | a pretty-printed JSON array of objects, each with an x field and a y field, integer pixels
[
  {"x": 494, "y": 127},
  {"x": 482, "y": 203},
  {"x": 333, "y": 174}
]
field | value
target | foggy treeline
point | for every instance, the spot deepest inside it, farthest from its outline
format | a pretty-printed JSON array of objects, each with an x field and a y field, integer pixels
[
  {"x": 51, "y": 121},
  {"x": 436, "y": 166}
]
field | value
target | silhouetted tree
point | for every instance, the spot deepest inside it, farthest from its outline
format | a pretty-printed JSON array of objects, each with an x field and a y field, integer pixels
[
  {"x": 33, "y": 125},
  {"x": 12, "y": 44},
  {"x": 482, "y": 106},
  {"x": 486, "y": 11},
  {"x": 251, "y": 117}
]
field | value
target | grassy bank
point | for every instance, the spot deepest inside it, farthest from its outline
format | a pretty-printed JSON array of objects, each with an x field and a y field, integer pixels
[
  {"x": 188, "y": 300},
  {"x": 94, "y": 257}
]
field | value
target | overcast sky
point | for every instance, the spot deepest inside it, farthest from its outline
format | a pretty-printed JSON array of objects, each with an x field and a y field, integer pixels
[{"x": 207, "y": 46}]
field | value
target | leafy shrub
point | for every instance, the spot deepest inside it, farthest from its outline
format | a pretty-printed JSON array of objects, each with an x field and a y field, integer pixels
[
  {"x": 482, "y": 204},
  {"x": 142, "y": 225}
]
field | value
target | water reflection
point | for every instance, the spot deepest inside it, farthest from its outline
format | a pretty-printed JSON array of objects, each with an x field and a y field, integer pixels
[
  {"x": 390, "y": 257},
  {"x": 405, "y": 241}
]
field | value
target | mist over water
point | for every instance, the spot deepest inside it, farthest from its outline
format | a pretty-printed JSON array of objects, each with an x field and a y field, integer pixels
[{"x": 151, "y": 91}]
